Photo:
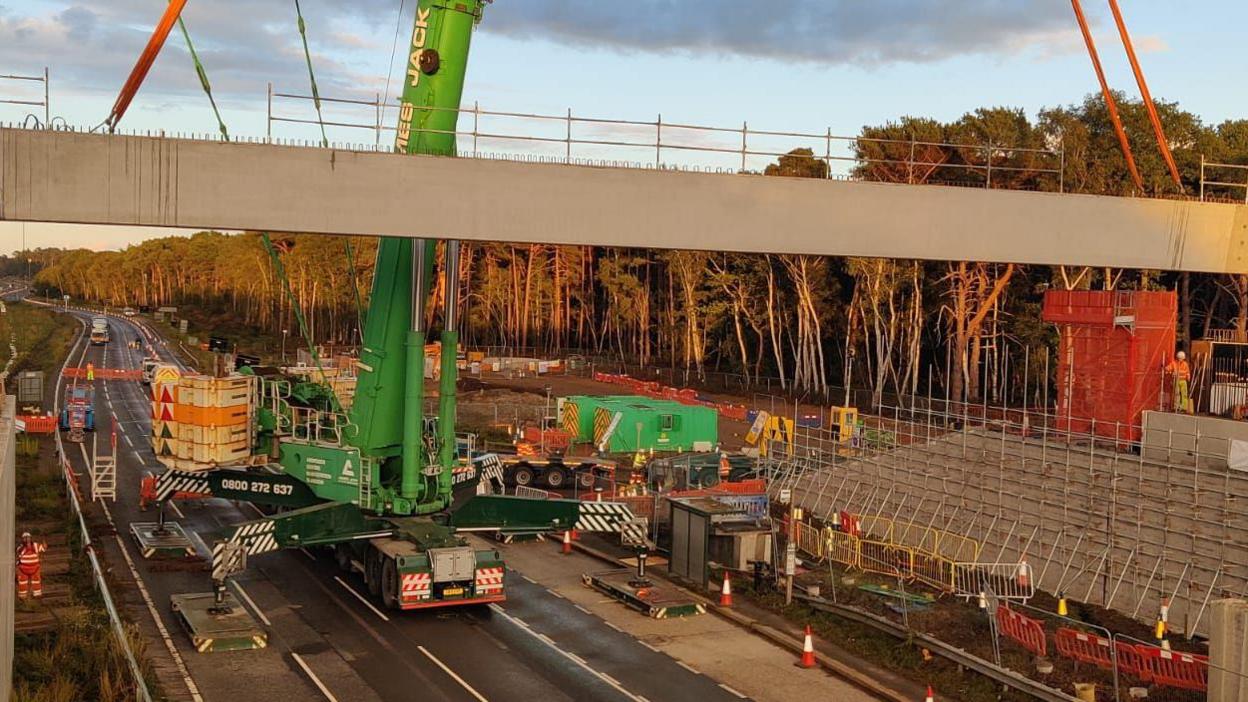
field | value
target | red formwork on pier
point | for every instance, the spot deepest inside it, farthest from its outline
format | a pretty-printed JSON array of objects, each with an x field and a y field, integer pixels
[{"x": 1114, "y": 347}]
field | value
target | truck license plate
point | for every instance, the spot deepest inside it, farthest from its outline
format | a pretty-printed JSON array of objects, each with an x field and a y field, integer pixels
[{"x": 448, "y": 592}]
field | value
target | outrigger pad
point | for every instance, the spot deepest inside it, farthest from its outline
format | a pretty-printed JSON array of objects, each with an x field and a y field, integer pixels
[
  {"x": 162, "y": 541},
  {"x": 213, "y": 626}
]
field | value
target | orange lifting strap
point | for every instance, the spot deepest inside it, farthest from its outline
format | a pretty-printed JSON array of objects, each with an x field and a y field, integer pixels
[
  {"x": 144, "y": 64},
  {"x": 1148, "y": 98},
  {"x": 1110, "y": 103}
]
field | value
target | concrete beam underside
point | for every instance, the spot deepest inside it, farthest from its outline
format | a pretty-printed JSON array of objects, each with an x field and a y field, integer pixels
[{"x": 49, "y": 176}]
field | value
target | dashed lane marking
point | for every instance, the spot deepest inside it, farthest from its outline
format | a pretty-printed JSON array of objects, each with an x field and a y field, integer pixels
[
  {"x": 570, "y": 656},
  {"x": 613, "y": 626},
  {"x": 319, "y": 685},
  {"x": 126, "y": 438},
  {"x": 454, "y": 676},
  {"x": 586, "y": 611},
  {"x": 687, "y": 667},
  {"x": 555, "y": 594},
  {"x": 254, "y": 607},
  {"x": 361, "y": 598},
  {"x": 652, "y": 648},
  {"x": 732, "y": 691},
  {"x": 176, "y": 510}
]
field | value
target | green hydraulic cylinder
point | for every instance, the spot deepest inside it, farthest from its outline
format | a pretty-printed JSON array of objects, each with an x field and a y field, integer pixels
[
  {"x": 446, "y": 387},
  {"x": 410, "y": 486},
  {"x": 433, "y": 86}
]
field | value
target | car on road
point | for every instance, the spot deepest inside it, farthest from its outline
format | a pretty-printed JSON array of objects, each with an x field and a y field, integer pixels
[{"x": 129, "y": 311}]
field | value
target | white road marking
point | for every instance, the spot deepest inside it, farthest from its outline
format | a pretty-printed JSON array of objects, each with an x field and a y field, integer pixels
[
  {"x": 586, "y": 611},
  {"x": 652, "y": 648},
  {"x": 361, "y": 598},
  {"x": 604, "y": 621},
  {"x": 687, "y": 667},
  {"x": 555, "y": 594},
  {"x": 254, "y": 607},
  {"x": 454, "y": 676},
  {"x": 176, "y": 510},
  {"x": 570, "y": 656},
  {"x": 307, "y": 553},
  {"x": 729, "y": 689},
  {"x": 258, "y": 510},
  {"x": 126, "y": 438},
  {"x": 527, "y": 578},
  {"x": 319, "y": 685}
]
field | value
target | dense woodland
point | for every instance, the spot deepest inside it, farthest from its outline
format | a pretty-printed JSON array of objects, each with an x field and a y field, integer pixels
[{"x": 965, "y": 328}]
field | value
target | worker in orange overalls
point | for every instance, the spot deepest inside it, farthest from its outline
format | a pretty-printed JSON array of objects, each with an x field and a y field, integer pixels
[
  {"x": 1182, "y": 373},
  {"x": 29, "y": 578}
]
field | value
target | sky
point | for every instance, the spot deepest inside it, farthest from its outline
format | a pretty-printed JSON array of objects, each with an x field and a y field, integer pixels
[{"x": 801, "y": 65}]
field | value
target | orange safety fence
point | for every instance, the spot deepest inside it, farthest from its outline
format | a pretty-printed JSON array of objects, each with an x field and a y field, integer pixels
[
  {"x": 1028, "y": 632},
  {"x": 1132, "y": 662},
  {"x": 103, "y": 373},
  {"x": 685, "y": 396},
  {"x": 36, "y": 423},
  {"x": 1188, "y": 671},
  {"x": 1083, "y": 647}
]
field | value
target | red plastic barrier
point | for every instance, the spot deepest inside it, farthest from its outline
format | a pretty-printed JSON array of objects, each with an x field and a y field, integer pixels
[
  {"x": 736, "y": 412},
  {"x": 1028, "y": 632},
  {"x": 36, "y": 424},
  {"x": 1083, "y": 647},
  {"x": 104, "y": 373},
  {"x": 1132, "y": 662},
  {"x": 849, "y": 524},
  {"x": 552, "y": 439},
  {"x": 1188, "y": 671}
]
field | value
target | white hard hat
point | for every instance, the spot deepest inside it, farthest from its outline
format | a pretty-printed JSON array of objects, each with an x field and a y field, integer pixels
[
  {"x": 1181, "y": 355},
  {"x": 26, "y": 535}
]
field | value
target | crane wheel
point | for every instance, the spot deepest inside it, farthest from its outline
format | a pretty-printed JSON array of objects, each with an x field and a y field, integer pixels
[
  {"x": 389, "y": 584},
  {"x": 342, "y": 556},
  {"x": 372, "y": 572},
  {"x": 587, "y": 478}
]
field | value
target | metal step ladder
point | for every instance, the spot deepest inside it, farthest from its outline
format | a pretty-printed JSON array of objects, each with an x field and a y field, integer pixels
[{"x": 103, "y": 473}]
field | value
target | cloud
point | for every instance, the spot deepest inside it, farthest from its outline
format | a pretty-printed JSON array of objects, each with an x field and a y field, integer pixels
[
  {"x": 868, "y": 33},
  {"x": 243, "y": 45}
]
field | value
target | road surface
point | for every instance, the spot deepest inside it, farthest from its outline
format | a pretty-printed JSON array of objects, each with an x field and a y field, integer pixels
[{"x": 326, "y": 639}]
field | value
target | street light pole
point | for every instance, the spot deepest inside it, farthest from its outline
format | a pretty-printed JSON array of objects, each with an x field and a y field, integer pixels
[{"x": 284, "y": 333}]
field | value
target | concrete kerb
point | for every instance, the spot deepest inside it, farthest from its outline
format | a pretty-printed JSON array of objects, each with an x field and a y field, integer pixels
[{"x": 771, "y": 634}]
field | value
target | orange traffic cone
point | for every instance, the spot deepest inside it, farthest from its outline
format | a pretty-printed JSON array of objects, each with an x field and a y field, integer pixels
[
  {"x": 930, "y": 697},
  {"x": 725, "y": 593},
  {"x": 808, "y": 651},
  {"x": 567, "y": 541}
]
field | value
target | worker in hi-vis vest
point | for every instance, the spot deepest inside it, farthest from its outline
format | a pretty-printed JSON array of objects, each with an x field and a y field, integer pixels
[
  {"x": 29, "y": 575},
  {"x": 1181, "y": 373}
]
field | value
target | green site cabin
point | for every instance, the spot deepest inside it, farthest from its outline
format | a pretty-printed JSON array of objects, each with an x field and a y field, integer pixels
[{"x": 645, "y": 423}]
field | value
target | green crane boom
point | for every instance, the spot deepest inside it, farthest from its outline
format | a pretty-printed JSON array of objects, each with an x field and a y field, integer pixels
[
  {"x": 370, "y": 484},
  {"x": 390, "y": 396}
]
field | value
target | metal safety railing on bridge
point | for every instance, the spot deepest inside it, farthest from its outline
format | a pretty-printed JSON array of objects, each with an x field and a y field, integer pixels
[{"x": 569, "y": 138}]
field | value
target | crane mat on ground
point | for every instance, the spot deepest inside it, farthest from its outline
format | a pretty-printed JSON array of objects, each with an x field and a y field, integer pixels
[
  {"x": 656, "y": 600},
  {"x": 897, "y": 594}
]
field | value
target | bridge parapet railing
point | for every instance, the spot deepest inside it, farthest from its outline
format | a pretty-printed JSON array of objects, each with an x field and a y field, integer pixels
[{"x": 665, "y": 144}]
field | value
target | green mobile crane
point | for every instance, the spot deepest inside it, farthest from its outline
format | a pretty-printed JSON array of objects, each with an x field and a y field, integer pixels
[{"x": 376, "y": 484}]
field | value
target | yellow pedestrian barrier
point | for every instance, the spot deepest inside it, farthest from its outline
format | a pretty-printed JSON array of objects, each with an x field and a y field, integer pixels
[{"x": 841, "y": 547}]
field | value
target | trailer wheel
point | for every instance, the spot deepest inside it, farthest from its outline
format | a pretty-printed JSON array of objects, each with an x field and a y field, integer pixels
[
  {"x": 342, "y": 556},
  {"x": 586, "y": 477},
  {"x": 389, "y": 584},
  {"x": 556, "y": 477},
  {"x": 523, "y": 476},
  {"x": 372, "y": 572}
]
